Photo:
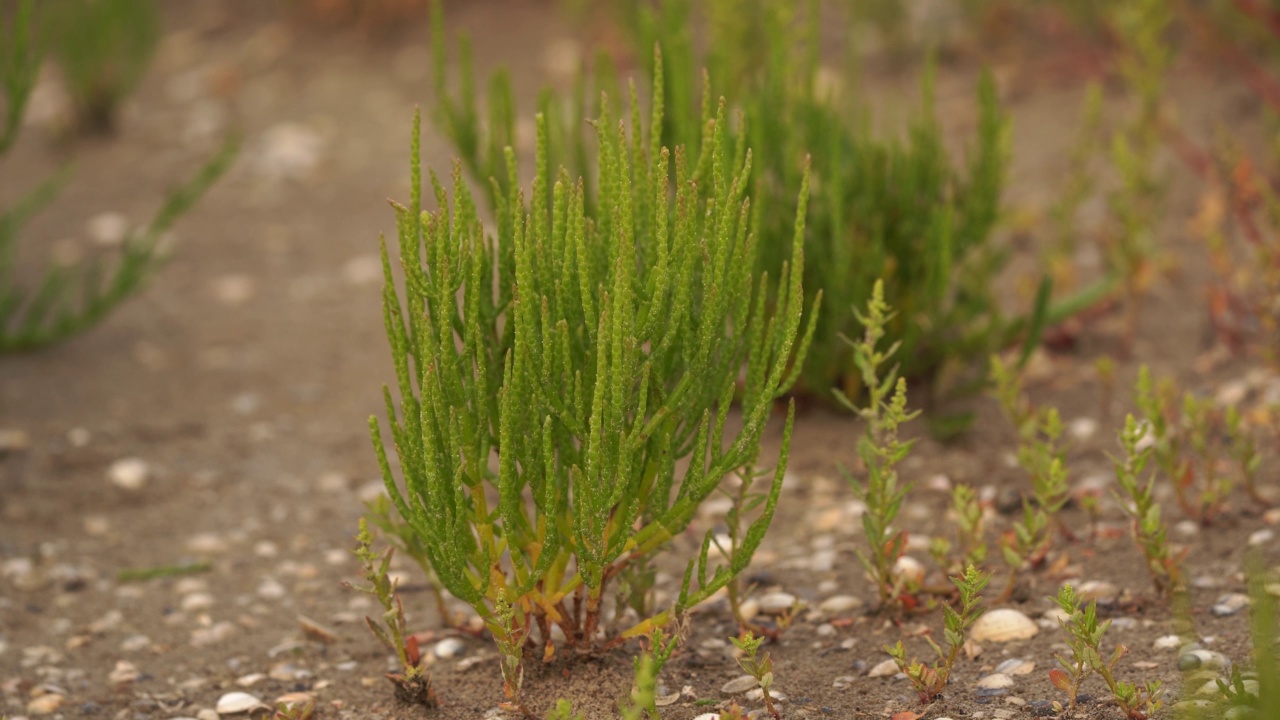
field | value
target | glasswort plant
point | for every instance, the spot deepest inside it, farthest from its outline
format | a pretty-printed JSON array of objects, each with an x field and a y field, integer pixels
[
  {"x": 929, "y": 680},
  {"x": 553, "y": 371}
]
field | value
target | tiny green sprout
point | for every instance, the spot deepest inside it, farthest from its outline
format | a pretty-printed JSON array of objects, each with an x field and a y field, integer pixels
[
  {"x": 563, "y": 710},
  {"x": 412, "y": 684},
  {"x": 301, "y": 710},
  {"x": 1138, "y": 499},
  {"x": 930, "y": 679},
  {"x": 648, "y": 665},
  {"x": 757, "y": 666},
  {"x": 880, "y": 449},
  {"x": 1084, "y": 639}
]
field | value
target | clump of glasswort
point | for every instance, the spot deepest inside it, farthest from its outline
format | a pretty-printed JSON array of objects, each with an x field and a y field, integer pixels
[
  {"x": 758, "y": 666},
  {"x": 553, "y": 371},
  {"x": 1137, "y": 497},
  {"x": 70, "y": 299}
]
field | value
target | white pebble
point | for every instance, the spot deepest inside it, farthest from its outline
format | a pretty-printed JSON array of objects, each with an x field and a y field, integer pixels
[
  {"x": 448, "y": 648},
  {"x": 238, "y": 702},
  {"x": 1082, "y": 428},
  {"x": 995, "y": 681},
  {"x": 1230, "y": 604},
  {"x": 233, "y": 289},
  {"x": 837, "y": 604},
  {"x": 1167, "y": 642},
  {"x": 197, "y": 601},
  {"x": 271, "y": 589},
  {"x": 129, "y": 473},
  {"x": 108, "y": 229},
  {"x": 887, "y": 668},
  {"x": 738, "y": 685},
  {"x": 1003, "y": 625},
  {"x": 367, "y": 270},
  {"x": 776, "y": 603},
  {"x": 1261, "y": 537}
]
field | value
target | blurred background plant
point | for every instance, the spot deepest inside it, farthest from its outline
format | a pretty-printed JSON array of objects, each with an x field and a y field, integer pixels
[
  {"x": 103, "y": 48},
  {"x": 68, "y": 299},
  {"x": 901, "y": 210}
]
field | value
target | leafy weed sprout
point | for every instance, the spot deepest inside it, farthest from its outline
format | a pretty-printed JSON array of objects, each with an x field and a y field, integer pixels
[
  {"x": 1138, "y": 500},
  {"x": 758, "y": 666},
  {"x": 584, "y": 355},
  {"x": 931, "y": 679},
  {"x": 1084, "y": 639},
  {"x": 412, "y": 683},
  {"x": 880, "y": 450}
]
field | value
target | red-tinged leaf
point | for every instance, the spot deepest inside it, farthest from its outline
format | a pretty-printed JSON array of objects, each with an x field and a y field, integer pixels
[
  {"x": 1060, "y": 680},
  {"x": 906, "y": 715},
  {"x": 411, "y": 650}
]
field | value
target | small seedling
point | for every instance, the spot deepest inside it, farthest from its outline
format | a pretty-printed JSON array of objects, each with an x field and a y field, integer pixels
[
  {"x": 1243, "y": 447},
  {"x": 1084, "y": 638},
  {"x": 642, "y": 702},
  {"x": 301, "y": 710},
  {"x": 563, "y": 710},
  {"x": 931, "y": 679},
  {"x": 970, "y": 521},
  {"x": 1138, "y": 499},
  {"x": 758, "y": 666},
  {"x": 880, "y": 450},
  {"x": 412, "y": 683},
  {"x": 103, "y": 48}
]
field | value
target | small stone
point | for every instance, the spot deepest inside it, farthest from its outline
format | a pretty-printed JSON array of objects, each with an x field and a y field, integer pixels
[
  {"x": 96, "y": 525},
  {"x": 1197, "y": 659},
  {"x": 109, "y": 621},
  {"x": 1272, "y": 516},
  {"x": 995, "y": 681},
  {"x": 1230, "y": 604},
  {"x": 1016, "y": 666},
  {"x": 448, "y": 648},
  {"x": 207, "y": 544},
  {"x": 1003, "y": 625},
  {"x": 289, "y": 151},
  {"x": 197, "y": 601},
  {"x": 777, "y": 603},
  {"x": 1261, "y": 537},
  {"x": 125, "y": 672},
  {"x": 134, "y": 643},
  {"x": 367, "y": 270},
  {"x": 1187, "y": 528},
  {"x": 233, "y": 288},
  {"x": 315, "y": 631},
  {"x": 1082, "y": 428},
  {"x": 1167, "y": 642},
  {"x": 107, "y": 229},
  {"x": 839, "y": 604},
  {"x": 271, "y": 589},
  {"x": 886, "y": 668},
  {"x": 909, "y": 570},
  {"x": 234, "y": 703},
  {"x": 129, "y": 473},
  {"x": 266, "y": 549},
  {"x": 45, "y": 704},
  {"x": 708, "y": 716},
  {"x": 1232, "y": 392},
  {"x": 250, "y": 680},
  {"x": 295, "y": 699},
  {"x": 739, "y": 685},
  {"x": 213, "y": 634},
  {"x": 825, "y": 630},
  {"x": 1099, "y": 590},
  {"x": 207, "y": 714},
  {"x": 13, "y": 440},
  {"x": 749, "y": 608}
]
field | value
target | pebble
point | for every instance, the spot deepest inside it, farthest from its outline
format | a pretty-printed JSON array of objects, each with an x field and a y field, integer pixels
[
  {"x": 1003, "y": 625},
  {"x": 207, "y": 714},
  {"x": 777, "y": 603},
  {"x": 213, "y": 634},
  {"x": 107, "y": 229},
  {"x": 45, "y": 704},
  {"x": 1187, "y": 528},
  {"x": 234, "y": 703},
  {"x": 125, "y": 672},
  {"x": 96, "y": 525},
  {"x": 1099, "y": 590},
  {"x": 315, "y": 631},
  {"x": 838, "y": 604},
  {"x": 367, "y": 270},
  {"x": 1016, "y": 666},
  {"x": 13, "y": 440},
  {"x": 289, "y": 151},
  {"x": 1261, "y": 537},
  {"x": 129, "y": 473},
  {"x": 887, "y": 668},
  {"x": 197, "y": 601},
  {"x": 909, "y": 570},
  {"x": 1230, "y": 604},
  {"x": 448, "y": 648},
  {"x": 1201, "y": 658},
  {"x": 207, "y": 544},
  {"x": 739, "y": 685},
  {"x": 995, "y": 681},
  {"x": 250, "y": 680},
  {"x": 294, "y": 699},
  {"x": 271, "y": 589},
  {"x": 233, "y": 288},
  {"x": 708, "y": 716},
  {"x": 1272, "y": 516},
  {"x": 1082, "y": 428},
  {"x": 1167, "y": 642}
]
